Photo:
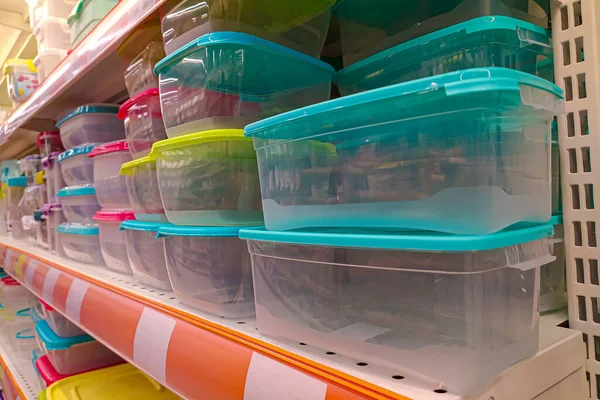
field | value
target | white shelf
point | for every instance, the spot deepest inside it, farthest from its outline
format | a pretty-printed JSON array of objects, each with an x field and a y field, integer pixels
[{"x": 21, "y": 371}]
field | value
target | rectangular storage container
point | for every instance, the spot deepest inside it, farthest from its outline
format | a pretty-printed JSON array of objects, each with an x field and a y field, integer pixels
[
  {"x": 466, "y": 152},
  {"x": 139, "y": 75},
  {"x": 76, "y": 167},
  {"x": 112, "y": 239},
  {"x": 209, "y": 178},
  {"x": 81, "y": 242},
  {"x": 16, "y": 188},
  {"x": 85, "y": 16},
  {"x": 40, "y": 9},
  {"x": 552, "y": 282},
  {"x": 209, "y": 269},
  {"x": 299, "y": 25},
  {"x": 92, "y": 123},
  {"x": 79, "y": 203},
  {"x": 143, "y": 189},
  {"x": 47, "y": 372},
  {"x": 21, "y": 79},
  {"x": 481, "y": 42},
  {"x": 48, "y": 60},
  {"x": 145, "y": 33},
  {"x": 470, "y": 303},
  {"x": 111, "y": 189},
  {"x": 53, "y": 214},
  {"x": 367, "y": 28},
  {"x": 227, "y": 80},
  {"x": 59, "y": 323},
  {"x": 52, "y": 33}
]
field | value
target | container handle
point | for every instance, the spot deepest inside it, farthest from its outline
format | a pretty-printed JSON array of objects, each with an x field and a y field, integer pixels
[
  {"x": 26, "y": 334},
  {"x": 26, "y": 312}
]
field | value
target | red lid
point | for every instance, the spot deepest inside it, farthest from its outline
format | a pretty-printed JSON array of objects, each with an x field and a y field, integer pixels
[
  {"x": 112, "y": 147},
  {"x": 8, "y": 281},
  {"x": 122, "y": 114},
  {"x": 46, "y": 306},
  {"x": 114, "y": 216},
  {"x": 53, "y": 136},
  {"x": 48, "y": 373}
]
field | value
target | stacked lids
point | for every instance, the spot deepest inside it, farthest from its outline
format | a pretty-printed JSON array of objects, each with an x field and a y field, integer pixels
[
  {"x": 114, "y": 215},
  {"x": 76, "y": 151}
]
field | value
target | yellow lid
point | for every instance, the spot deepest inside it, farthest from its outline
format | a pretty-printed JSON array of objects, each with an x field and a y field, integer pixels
[
  {"x": 40, "y": 177},
  {"x": 123, "y": 382},
  {"x": 244, "y": 150},
  {"x": 12, "y": 62},
  {"x": 127, "y": 168},
  {"x": 42, "y": 395}
]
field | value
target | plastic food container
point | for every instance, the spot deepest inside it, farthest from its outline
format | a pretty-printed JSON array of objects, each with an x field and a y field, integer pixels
[
  {"x": 92, "y": 123},
  {"x": 146, "y": 254},
  {"x": 481, "y": 42},
  {"x": 48, "y": 143},
  {"x": 41, "y": 232},
  {"x": 209, "y": 178},
  {"x": 301, "y": 26},
  {"x": 470, "y": 302},
  {"x": 47, "y": 61},
  {"x": 143, "y": 190},
  {"x": 120, "y": 382},
  {"x": 111, "y": 189},
  {"x": 53, "y": 214},
  {"x": 76, "y": 354},
  {"x": 137, "y": 41},
  {"x": 40, "y": 9},
  {"x": 466, "y": 152},
  {"x": 54, "y": 177},
  {"x": 81, "y": 242},
  {"x": 79, "y": 203},
  {"x": 30, "y": 166},
  {"x": 52, "y": 33},
  {"x": 207, "y": 84},
  {"x": 16, "y": 188},
  {"x": 47, "y": 372},
  {"x": 59, "y": 323},
  {"x": 143, "y": 122},
  {"x": 552, "y": 281},
  {"x": 21, "y": 78},
  {"x": 85, "y": 16},
  {"x": 139, "y": 75},
  {"x": 112, "y": 239},
  {"x": 76, "y": 167},
  {"x": 33, "y": 199},
  {"x": 367, "y": 28},
  {"x": 209, "y": 268}
]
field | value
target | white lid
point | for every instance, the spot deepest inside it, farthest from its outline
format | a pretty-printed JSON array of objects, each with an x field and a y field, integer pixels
[{"x": 51, "y": 20}]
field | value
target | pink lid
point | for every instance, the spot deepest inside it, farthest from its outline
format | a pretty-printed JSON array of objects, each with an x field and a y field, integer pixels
[
  {"x": 113, "y": 216},
  {"x": 8, "y": 281},
  {"x": 122, "y": 114},
  {"x": 112, "y": 147},
  {"x": 47, "y": 371}
]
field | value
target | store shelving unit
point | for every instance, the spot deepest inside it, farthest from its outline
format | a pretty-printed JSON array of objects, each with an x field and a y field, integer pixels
[{"x": 19, "y": 371}]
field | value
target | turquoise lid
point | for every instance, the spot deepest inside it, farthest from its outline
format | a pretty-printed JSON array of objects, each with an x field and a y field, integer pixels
[
  {"x": 407, "y": 240},
  {"x": 54, "y": 342},
  {"x": 135, "y": 225},
  {"x": 81, "y": 190},
  {"x": 20, "y": 181},
  {"x": 90, "y": 109},
  {"x": 83, "y": 149},
  {"x": 78, "y": 229},
  {"x": 207, "y": 231},
  {"x": 556, "y": 220}
]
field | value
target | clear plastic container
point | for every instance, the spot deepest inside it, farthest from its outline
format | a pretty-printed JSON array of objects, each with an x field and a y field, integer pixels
[
  {"x": 209, "y": 268},
  {"x": 34, "y": 198},
  {"x": 209, "y": 178},
  {"x": 30, "y": 166},
  {"x": 367, "y": 28},
  {"x": 41, "y": 233},
  {"x": 59, "y": 323},
  {"x": 85, "y": 16},
  {"x": 552, "y": 281},
  {"x": 92, "y": 123},
  {"x": 112, "y": 239},
  {"x": 136, "y": 41},
  {"x": 75, "y": 165},
  {"x": 40, "y": 9},
  {"x": 21, "y": 78},
  {"x": 143, "y": 122},
  {"x": 74, "y": 355},
  {"x": 54, "y": 216},
  {"x": 466, "y": 152},
  {"x": 111, "y": 189},
  {"x": 52, "y": 33},
  {"x": 143, "y": 190},
  {"x": 79, "y": 203},
  {"x": 481, "y": 42},
  {"x": 81, "y": 242},
  {"x": 48, "y": 60},
  {"x": 146, "y": 254},
  {"x": 139, "y": 75},
  {"x": 208, "y": 84},
  {"x": 48, "y": 143},
  {"x": 301, "y": 26},
  {"x": 47, "y": 372},
  {"x": 16, "y": 188},
  {"x": 54, "y": 178},
  {"x": 469, "y": 302}
]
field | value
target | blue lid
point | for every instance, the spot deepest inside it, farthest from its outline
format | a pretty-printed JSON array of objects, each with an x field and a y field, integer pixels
[
  {"x": 208, "y": 231},
  {"x": 89, "y": 109},
  {"x": 20, "y": 181},
  {"x": 83, "y": 149},
  {"x": 135, "y": 225},
  {"x": 243, "y": 39},
  {"x": 407, "y": 240},
  {"x": 79, "y": 190},
  {"x": 54, "y": 342},
  {"x": 78, "y": 229}
]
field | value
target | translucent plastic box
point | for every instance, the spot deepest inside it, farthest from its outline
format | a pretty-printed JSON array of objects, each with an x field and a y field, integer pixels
[
  {"x": 139, "y": 75},
  {"x": 54, "y": 177},
  {"x": 209, "y": 268},
  {"x": 79, "y": 203},
  {"x": 466, "y": 152},
  {"x": 48, "y": 60},
  {"x": 52, "y": 33},
  {"x": 59, "y": 323},
  {"x": 92, "y": 123},
  {"x": 470, "y": 303},
  {"x": 145, "y": 33},
  {"x": 21, "y": 78},
  {"x": 81, "y": 242},
  {"x": 86, "y": 15},
  {"x": 54, "y": 216},
  {"x": 143, "y": 190},
  {"x": 227, "y": 80},
  {"x": 209, "y": 178},
  {"x": 111, "y": 190},
  {"x": 75, "y": 165},
  {"x": 552, "y": 281},
  {"x": 47, "y": 372},
  {"x": 112, "y": 239},
  {"x": 40, "y": 9}
]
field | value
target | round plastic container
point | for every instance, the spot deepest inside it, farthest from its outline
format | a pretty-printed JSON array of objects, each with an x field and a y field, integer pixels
[
  {"x": 143, "y": 122},
  {"x": 209, "y": 268},
  {"x": 79, "y": 203},
  {"x": 75, "y": 165},
  {"x": 301, "y": 25},
  {"x": 81, "y": 242},
  {"x": 53, "y": 214},
  {"x": 111, "y": 189},
  {"x": 139, "y": 75},
  {"x": 59, "y": 323},
  {"x": 208, "y": 84},
  {"x": 146, "y": 254},
  {"x": 52, "y": 33},
  {"x": 49, "y": 142},
  {"x": 54, "y": 178},
  {"x": 143, "y": 190},
  {"x": 92, "y": 123},
  {"x": 112, "y": 239},
  {"x": 209, "y": 178}
]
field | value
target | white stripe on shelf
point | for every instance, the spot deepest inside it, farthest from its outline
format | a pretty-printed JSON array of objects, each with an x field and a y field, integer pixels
[{"x": 75, "y": 297}]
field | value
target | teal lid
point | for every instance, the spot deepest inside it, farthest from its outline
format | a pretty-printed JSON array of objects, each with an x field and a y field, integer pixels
[
  {"x": 135, "y": 225},
  {"x": 54, "y": 342},
  {"x": 90, "y": 109},
  {"x": 556, "y": 220},
  {"x": 78, "y": 229},
  {"x": 83, "y": 149},
  {"x": 208, "y": 231},
  {"x": 407, "y": 240},
  {"x": 80, "y": 190},
  {"x": 20, "y": 181}
]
